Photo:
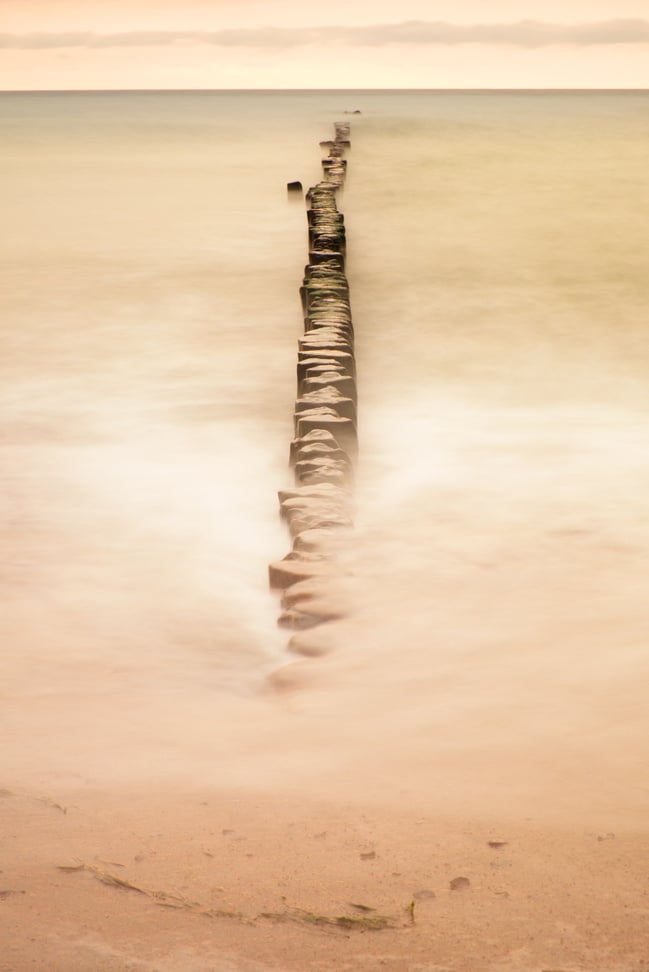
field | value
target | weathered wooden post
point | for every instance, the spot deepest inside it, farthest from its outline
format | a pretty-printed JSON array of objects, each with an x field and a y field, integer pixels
[{"x": 325, "y": 446}]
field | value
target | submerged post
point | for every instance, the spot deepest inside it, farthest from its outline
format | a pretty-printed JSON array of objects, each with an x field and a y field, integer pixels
[{"x": 323, "y": 452}]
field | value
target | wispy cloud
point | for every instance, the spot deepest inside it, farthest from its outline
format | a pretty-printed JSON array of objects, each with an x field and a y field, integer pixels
[{"x": 524, "y": 33}]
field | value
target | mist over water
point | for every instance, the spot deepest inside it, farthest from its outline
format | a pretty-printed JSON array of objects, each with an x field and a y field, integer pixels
[{"x": 496, "y": 649}]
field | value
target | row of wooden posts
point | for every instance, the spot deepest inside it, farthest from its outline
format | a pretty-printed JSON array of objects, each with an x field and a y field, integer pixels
[{"x": 317, "y": 510}]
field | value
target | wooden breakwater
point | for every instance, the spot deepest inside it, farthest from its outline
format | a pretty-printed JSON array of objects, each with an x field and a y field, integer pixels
[{"x": 318, "y": 509}]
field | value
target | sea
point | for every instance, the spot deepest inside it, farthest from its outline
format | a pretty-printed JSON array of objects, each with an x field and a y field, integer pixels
[{"x": 495, "y": 647}]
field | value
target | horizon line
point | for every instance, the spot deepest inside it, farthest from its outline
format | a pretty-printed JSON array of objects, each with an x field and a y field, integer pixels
[{"x": 306, "y": 90}]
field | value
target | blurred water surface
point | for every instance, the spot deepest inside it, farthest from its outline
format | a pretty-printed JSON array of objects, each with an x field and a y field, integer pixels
[{"x": 497, "y": 258}]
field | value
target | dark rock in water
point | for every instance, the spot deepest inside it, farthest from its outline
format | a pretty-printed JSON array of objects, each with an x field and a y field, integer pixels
[
  {"x": 317, "y": 520},
  {"x": 329, "y": 258},
  {"x": 312, "y": 541},
  {"x": 324, "y": 310},
  {"x": 330, "y": 470},
  {"x": 328, "y": 280},
  {"x": 301, "y": 493},
  {"x": 327, "y": 325},
  {"x": 317, "y": 364},
  {"x": 328, "y": 243},
  {"x": 334, "y": 376},
  {"x": 318, "y": 503},
  {"x": 323, "y": 504},
  {"x": 328, "y": 314},
  {"x": 302, "y": 612},
  {"x": 330, "y": 326},
  {"x": 343, "y": 361},
  {"x": 328, "y": 293},
  {"x": 333, "y": 321},
  {"x": 319, "y": 331},
  {"x": 326, "y": 256},
  {"x": 318, "y": 510},
  {"x": 314, "y": 371},
  {"x": 318, "y": 437},
  {"x": 337, "y": 477},
  {"x": 319, "y": 287},
  {"x": 326, "y": 418},
  {"x": 325, "y": 270},
  {"x": 330, "y": 397},
  {"x": 297, "y": 620},
  {"x": 287, "y": 572},
  {"x": 319, "y": 450},
  {"x": 325, "y": 218},
  {"x": 319, "y": 341},
  {"x": 343, "y": 383},
  {"x": 319, "y": 461},
  {"x": 325, "y": 496},
  {"x": 337, "y": 455},
  {"x": 310, "y": 647},
  {"x": 321, "y": 419},
  {"x": 308, "y": 594},
  {"x": 328, "y": 308},
  {"x": 318, "y": 344},
  {"x": 325, "y": 339},
  {"x": 318, "y": 415},
  {"x": 307, "y": 556},
  {"x": 288, "y": 678}
]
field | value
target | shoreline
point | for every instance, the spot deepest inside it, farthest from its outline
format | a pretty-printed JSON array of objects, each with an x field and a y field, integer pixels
[{"x": 201, "y": 868}]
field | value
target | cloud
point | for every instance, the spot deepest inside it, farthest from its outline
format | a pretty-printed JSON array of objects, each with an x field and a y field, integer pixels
[{"x": 524, "y": 33}]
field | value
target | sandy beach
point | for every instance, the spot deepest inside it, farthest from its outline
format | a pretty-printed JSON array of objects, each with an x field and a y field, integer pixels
[{"x": 244, "y": 881}]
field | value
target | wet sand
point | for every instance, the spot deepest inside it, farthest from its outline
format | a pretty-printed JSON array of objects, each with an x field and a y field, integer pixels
[{"x": 239, "y": 879}]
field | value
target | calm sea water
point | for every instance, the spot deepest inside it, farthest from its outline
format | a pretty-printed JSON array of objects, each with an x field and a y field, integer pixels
[{"x": 498, "y": 259}]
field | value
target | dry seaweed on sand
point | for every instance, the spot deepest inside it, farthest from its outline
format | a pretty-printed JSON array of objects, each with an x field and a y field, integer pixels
[
  {"x": 347, "y": 922},
  {"x": 362, "y": 922},
  {"x": 116, "y": 882},
  {"x": 49, "y": 802},
  {"x": 45, "y": 800},
  {"x": 112, "y": 880},
  {"x": 165, "y": 899}
]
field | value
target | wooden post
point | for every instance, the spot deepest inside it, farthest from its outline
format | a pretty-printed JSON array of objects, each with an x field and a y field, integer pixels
[{"x": 322, "y": 455}]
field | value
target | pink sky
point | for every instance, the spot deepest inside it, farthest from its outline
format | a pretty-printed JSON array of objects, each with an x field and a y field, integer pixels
[{"x": 54, "y": 44}]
